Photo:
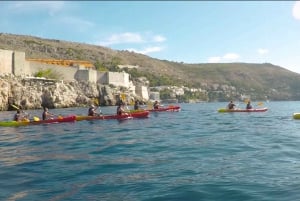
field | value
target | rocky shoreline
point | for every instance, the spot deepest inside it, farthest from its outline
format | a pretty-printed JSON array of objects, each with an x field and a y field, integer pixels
[{"x": 35, "y": 93}]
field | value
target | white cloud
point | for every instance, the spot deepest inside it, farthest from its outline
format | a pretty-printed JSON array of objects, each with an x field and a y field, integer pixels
[
  {"x": 51, "y": 7},
  {"x": 123, "y": 38},
  {"x": 227, "y": 57},
  {"x": 262, "y": 51},
  {"x": 129, "y": 37},
  {"x": 159, "y": 38},
  {"x": 296, "y": 10},
  {"x": 214, "y": 59},
  {"x": 80, "y": 24},
  {"x": 231, "y": 56},
  {"x": 147, "y": 50}
]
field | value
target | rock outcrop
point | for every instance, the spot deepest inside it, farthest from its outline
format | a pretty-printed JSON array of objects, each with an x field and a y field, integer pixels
[{"x": 34, "y": 93}]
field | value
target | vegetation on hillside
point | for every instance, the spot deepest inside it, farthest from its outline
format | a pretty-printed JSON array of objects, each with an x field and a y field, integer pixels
[
  {"x": 222, "y": 81},
  {"x": 49, "y": 74}
]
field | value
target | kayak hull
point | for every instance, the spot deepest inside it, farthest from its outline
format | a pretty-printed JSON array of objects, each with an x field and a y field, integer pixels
[
  {"x": 71, "y": 118},
  {"x": 13, "y": 123},
  {"x": 132, "y": 115},
  {"x": 296, "y": 115},
  {"x": 170, "y": 108},
  {"x": 242, "y": 110},
  {"x": 49, "y": 121}
]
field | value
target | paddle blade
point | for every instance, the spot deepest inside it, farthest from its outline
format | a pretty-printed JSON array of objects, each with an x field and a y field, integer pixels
[
  {"x": 123, "y": 97},
  {"x": 260, "y": 103},
  {"x": 246, "y": 101},
  {"x": 16, "y": 107}
]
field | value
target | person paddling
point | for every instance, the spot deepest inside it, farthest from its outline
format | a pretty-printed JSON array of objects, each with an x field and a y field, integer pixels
[
  {"x": 19, "y": 116},
  {"x": 249, "y": 106},
  {"x": 46, "y": 114},
  {"x": 231, "y": 105},
  {"x": 155, "y": 105},
  {"x": 120, "y": 109},
  {"x": 92, "y": 111},
  {"x": 136, "y": 105}
]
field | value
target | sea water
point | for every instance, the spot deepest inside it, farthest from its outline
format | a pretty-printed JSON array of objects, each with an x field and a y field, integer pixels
[{"x": 194, "y": 154}]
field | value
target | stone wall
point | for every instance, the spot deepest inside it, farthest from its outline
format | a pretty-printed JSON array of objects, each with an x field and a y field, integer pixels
[
  {"x": 142, "y": 91},
  {"x": 6, "y": 58},
  {"x": 65, "y": 73},
  {"x": 19, "y": 66},
  {"x": 14, "y": 62},
  {"x": 119, "y": 79}
]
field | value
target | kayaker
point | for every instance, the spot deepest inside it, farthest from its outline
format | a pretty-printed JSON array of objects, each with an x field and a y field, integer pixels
[
  {"x": 156, "y": 105},
  {"x": 92, "y": 111},
  {"x": 249, "y": 106},
  {"x": 18, "y": 116},
  {"x": 120, "y": 109},
  {"x": 136, "y": 105},
  {"x": 231, "y": 105},
  {"x": 46, "y": 114}
]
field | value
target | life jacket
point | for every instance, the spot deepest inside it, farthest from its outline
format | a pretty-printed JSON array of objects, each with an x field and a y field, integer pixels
[
  {"x": 91, "y": 112},
  {"x": 17, "y": 117},
  {"x": 119, "y": 110}
]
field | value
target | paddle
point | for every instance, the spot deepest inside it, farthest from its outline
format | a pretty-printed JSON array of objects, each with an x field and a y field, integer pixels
[
  {"x": 260, "y": 103},
  {"x": 100, "y": 112},
  {"x": 58, "y": 116},
  {"x": 150, "y": 106}
]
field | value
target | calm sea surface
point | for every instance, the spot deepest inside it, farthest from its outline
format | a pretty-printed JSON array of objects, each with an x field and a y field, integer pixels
[{"x": 195, "y": 154}]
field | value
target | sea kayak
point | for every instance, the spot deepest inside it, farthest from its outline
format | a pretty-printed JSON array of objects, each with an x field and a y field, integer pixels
[
  {"x": 30, "y": 122},
  {"x": 170, "y": 108},
  {"x": 130, "y": 115},
  {"x": 296, "y": 115},
  {"x": 242, "y": 110}
]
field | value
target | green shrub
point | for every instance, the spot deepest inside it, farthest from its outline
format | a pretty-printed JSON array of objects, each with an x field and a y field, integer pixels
[{"x": 48, "y": 73}]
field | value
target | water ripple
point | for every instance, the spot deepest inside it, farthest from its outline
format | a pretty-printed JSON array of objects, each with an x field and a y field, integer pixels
[{"x": 194, "y": 154}]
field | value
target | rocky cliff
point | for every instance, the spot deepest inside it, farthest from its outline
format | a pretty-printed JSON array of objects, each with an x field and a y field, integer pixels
[{"x": 37, "y": 93}]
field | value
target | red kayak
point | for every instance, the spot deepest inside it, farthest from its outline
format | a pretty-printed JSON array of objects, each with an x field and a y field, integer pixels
[
  {"x": 170, "y": 108},
  {"x": 59, "y": 119},
  {"x": 132, "y": 115}
]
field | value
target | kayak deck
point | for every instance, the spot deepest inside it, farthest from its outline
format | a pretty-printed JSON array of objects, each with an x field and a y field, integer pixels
[
  {"x": 170, "y": 108},
  {"x": 71, "y": 118},
  {"x": 130, "y": 115}
]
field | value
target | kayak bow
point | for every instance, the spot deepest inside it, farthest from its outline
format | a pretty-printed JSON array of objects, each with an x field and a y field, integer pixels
[{"x": 296, "y": 115}]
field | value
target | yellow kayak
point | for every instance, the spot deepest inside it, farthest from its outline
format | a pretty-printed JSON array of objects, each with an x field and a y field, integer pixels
[{"x": 296, "y": 115}]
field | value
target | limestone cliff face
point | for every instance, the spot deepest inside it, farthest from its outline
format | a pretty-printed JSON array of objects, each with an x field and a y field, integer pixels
[{"x": 38, "y": 93}]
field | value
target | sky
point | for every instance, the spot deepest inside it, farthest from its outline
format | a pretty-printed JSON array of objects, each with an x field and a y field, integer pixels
[{"x": 180, "y": 31}]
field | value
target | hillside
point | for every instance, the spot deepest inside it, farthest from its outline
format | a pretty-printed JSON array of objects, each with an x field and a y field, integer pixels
[{"x": 257, "y": 80}]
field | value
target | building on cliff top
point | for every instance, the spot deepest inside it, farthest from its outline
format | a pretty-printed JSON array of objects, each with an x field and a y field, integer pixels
[{"x": 15, "y": 63}]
